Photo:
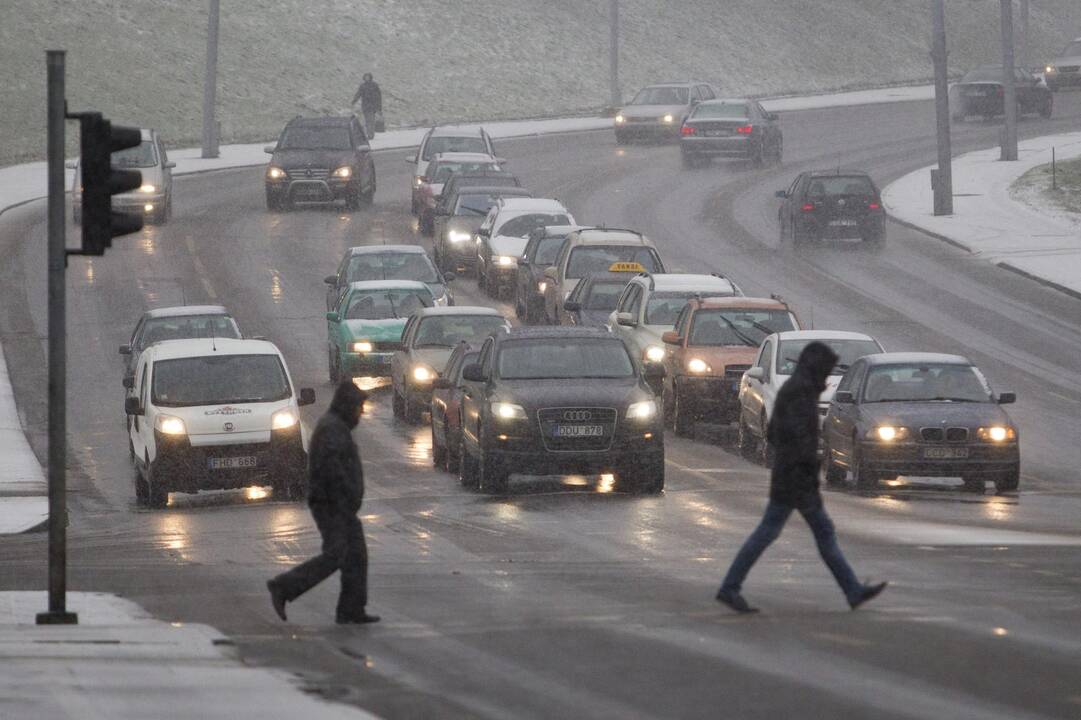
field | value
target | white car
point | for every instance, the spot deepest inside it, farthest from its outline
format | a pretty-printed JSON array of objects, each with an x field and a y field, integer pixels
[
  {"x": 774, "y": 364},
  {"x": 215, "y": 414},
  {"x": 153, "y": 199},
  {"x": 439, "y": 170},
  {"x": 444, "y": 140},
  {"x": 502, "y": 237},
  {"x": 650, "y": 305}
]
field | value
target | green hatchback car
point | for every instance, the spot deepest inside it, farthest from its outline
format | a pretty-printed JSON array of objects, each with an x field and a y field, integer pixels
[{"x": 365, "y": 328}]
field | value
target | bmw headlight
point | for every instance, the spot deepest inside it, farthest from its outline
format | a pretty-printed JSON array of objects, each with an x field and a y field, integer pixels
[
  {"x": 169, "y": 425},
  {"x": 668, "y": 119},
  {"x": 654, "y": 353},
  {"x": 343, "y": 172},
  {"x": 364, "y": 346},
  {"x": 698, "y": 366},
  {"x": 996, "y": 434},
  {"x": 889, "y": 433},
  {"x": 642, "y": 411},
  {"x": 457, "y": 236},
  {"x": 275, "y": 173},
  {"x": 508, "y": 411},
  {"x": 283, "y": 420}
]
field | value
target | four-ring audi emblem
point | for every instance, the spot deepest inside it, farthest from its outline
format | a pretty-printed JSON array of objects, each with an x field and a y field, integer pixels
[{"x": 577, "y": 415}]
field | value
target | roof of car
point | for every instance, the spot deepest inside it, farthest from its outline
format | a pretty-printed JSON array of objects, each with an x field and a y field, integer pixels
[
  {"x": 561, "y": 231},
  {"x": 914, "y": 358},
  {"x": 388, "y": 285},
  {"x": 611, "y": 236},
  {"x": 822, "y": 335},
  {"x": 755, "y": 303},
  {"x": 462, "y": 157},
  {"x": 383, "y": 249},
  {"x": 185, "y": 310},
  {"x": 515, "y": 204},
  {"x": 676, "y": 83},
  {"x": 458, "y": 310},
  {"x": 322, "y": 120},
  {"x": 834, "y": 172},
  {"x": 555, "y": 331},
  {"x": 457, "y": 131},
  {"x": 726, "y": 101},
  {"x": 200, "y": 347},
  {"x": 675, "y": 282}
]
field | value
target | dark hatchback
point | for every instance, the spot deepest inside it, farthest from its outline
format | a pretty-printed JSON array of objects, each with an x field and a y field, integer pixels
[
  {"x": 594, "y": 299},
  {"x": 923, "y": 415},
  {"x": 556, "y": 401},
  {"x": 457, "y": 218},
  {"x": 540, "y": 253},
  {"x": 320, "y": 160},
  {"x": 834, "y": 204},
  {"x": 981, "y": 92}
]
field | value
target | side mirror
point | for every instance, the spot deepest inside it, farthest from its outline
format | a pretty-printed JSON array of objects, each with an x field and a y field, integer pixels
[
  {"x": 781, "y": 194},
  {"x": 474, "y": 373},
  {"x": 572, "y": 306},
  {"x": 128, "y": 382},
  {"x": 333, "y": 317},
  {"x": 132, "y": 406},
  {"x": 449, "y": 277},
  {"x": 626, "y": 319},
  {"x": 307, "y": 397},
  {"x": 844, "y": 397},
  {"x": 671, "y": 337},
  {"x": 551, "y": 272},
  {"x": 269, "y": 149},
  {"x": 170, "y": 165},
  {"x": 125, "y": 349},
  {"x": 331, "y": 280},
  {"x": 442, "y": 383},
  {"x": 654, "y": 371},
  {"x": 1007, "y": 398},
  {"x": 755, "y": 373}
]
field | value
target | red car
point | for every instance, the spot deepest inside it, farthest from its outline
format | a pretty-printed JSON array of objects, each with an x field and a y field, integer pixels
[{"x": 447, "y": 408}]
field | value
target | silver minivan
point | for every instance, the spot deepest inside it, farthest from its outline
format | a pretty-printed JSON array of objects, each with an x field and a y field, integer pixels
[{"x": 154, "y": 199}]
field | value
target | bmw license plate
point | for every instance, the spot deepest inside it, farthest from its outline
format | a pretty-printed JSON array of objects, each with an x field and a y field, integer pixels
[
  {"x": 847, "y": 222},
  {"x": 945, "y": 453},
  {"x": 232, "y": 463},
  {"x": 578, "y": 431},
  {"x": 715, "y": 133}
]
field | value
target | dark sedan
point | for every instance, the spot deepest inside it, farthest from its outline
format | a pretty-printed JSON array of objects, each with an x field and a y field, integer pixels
[
  {"x": 923, "y": 415},
  {"x": 558, "y": 401},
  {"x": 594, "y": 299},
  {"x": 981, "y": 93},
  {"x": 739, "y": 129},
  {"x": 457, "y": 218},
  {"x": 831, "y": 204},
  {"x": 446, "y": 410},
  {"x": 540, "y": 253},
  {"x": 322, "y": 159}
]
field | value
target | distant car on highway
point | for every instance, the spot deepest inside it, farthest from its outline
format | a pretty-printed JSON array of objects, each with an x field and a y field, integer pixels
[
  {"x": 439, "y": 170},
  {"x": 445, "y": 139},
  {"x": 831, "y": 204},
  {"x": 1065, "y": 69},
  {"x": 980, "y": 92},
  {"x": 920, "y": 414},
  {"x": 154, "y": 198},
  {"x": 559, "y": 400},
  {"x": 387, "y": 262},
  {"x": 446, "y": 411},
  {"x": 458, "y": 215},
  {"x": 593, "y": 299},
  {"x": 540, "y": 252},
  {"x": 176, "y": 323},
  {"x": 503, "y": 235},
  {"x": 658, "y": 111},
  {"x": 320, "y": 160},
  {"x": 730, "y": 128}
]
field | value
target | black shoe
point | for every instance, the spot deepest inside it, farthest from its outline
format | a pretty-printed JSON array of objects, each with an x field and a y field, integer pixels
[
  {"x": 869, "y": 592},
  {"x": 735, "y": 601},
  {"x": 277, "y": 598},
  {"x": 362, "y": 619}
]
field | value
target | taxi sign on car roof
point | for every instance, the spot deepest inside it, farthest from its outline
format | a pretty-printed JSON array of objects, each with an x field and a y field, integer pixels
[{"x": 626, "y": 267}]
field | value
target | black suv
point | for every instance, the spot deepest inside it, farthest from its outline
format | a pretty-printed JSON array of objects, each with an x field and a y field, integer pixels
[
  {"x": 320, "y": 160},
  {"x": 560, "y": 400},
  {"x": 831, "y": 204}
]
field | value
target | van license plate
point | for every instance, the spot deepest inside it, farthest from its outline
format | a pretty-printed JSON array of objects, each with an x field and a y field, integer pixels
[
  {"x": 578, "y": 431},
  {"x": 945, "y": 453},
  {"x": 232, "y": 463}
]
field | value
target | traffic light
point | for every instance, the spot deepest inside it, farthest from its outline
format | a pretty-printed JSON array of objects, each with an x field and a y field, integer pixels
[{"x": 99, "y": 139}]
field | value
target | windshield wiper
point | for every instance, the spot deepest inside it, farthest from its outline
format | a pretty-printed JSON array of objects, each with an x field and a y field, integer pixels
[
  {"x": 475, "y": 210},
  {"x": 746, "y": 340},
  {"x": 950, "y": 399}
]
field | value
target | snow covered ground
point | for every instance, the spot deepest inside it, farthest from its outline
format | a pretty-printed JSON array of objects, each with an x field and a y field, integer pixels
[
  {"x": 990, "y": 222},
  {"x": 122, "y": 664},
  {"x": 141, "y": 61}
]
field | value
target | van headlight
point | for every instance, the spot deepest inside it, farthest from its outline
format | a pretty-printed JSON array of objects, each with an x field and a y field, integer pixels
[
  {"x": 169, "y": 425},
  {"x": 457, "y": 236},
  {"x": 283, "y": 420},
  {"x": 508, "y": 411},
  {"x": 423, "y": 373},
  {"x": 996, "y": 434},
  {"x": 654, "y": 353},
  {"x": 642, "y": 411}
]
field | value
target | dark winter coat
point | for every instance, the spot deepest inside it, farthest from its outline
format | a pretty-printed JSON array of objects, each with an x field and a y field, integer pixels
[
  {"x": 335, "y": 475},
  {"x": 793, "y": 429},
  {"x": 370, "y": 96}
]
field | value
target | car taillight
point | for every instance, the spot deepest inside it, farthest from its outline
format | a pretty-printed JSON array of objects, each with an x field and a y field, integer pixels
[
  {"x": 873, "y": 206},
  {"x": 808, "y": 207},
  {"x": 745, "y": 130},
  {"x": 686, "y": 130}
]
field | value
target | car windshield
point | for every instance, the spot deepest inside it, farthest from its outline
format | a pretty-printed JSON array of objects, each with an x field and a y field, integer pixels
[
  {"x": 184, "y": 327},
  {"x": 474, "y": 204},
  {"x": 848, "y": 352},
  {"x": 522, "y": 225},
  {"x": 437, "y": 145},
  {"x": 661, "y": 96},
  {"x": 926, "y": 383},
  {"x": 588, "y": 259},
  {"x": 315, "y": 137},
  {"x": 392, "y": 266},
  {"x": 834, "y": 185},
  {"x": 737, "y": 326},
  {"x": 443, "y": 170},
  {"x": 219, "y": 380},
  {"x": 386, "y": 304},
  {"x": 564, "y": 359},
  {"x": 548, "y": 250},
  {"x": 984, "y": 74},
  {"x": 663, "y": 308},
  {"x": 444, "y": 331},
  {"x": 1072, "y": 50},
  {"x": 142, "y": 155},
  {"x": 603, "y": 295},
  {"x": 721, "y": 110}
]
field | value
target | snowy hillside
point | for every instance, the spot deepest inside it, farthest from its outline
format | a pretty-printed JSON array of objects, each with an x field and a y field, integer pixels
[{"x": 141, "y": 61}]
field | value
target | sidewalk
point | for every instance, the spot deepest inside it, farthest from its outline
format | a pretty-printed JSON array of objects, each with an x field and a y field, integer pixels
[
  {"x": 119, "y": 663},
  {"x": 991, "y": 224},
  {"x": 22, "y": 481}
]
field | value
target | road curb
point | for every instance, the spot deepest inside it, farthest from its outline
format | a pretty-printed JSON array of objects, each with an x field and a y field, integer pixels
[
  {"x": 930, "y": 233},
  {"x": 1041, "y": 280}
]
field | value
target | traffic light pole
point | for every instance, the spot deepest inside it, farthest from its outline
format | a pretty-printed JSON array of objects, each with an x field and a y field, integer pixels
[
  {"x": 57, "y": 262},
  {"x": 615, "y": 98}
]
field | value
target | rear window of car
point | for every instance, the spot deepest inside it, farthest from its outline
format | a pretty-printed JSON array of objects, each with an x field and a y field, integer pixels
[
  {"x": 437, "y": 145},
  {"x": 185, "y": 327},
  {"x": 603, "y": 295},
  {"x": 443, "y": 170},
  {"x": 848, "y": 352},
  {"x": 446, "y": 331},
  {"x": 564, "y": 359},
  {"x": 661, "y": 96},
  {"x": 926, "y": 383},
  {"x": 725, "y": 110},
  {"x": 737, "y": 326},
  {"x": 840, "y": 185},
  {"x": 663, "y": 308},
  {"x": 219, "y": 380},
  {"x": 588, "y": 259},
  {"x": 522, "y": 225}
]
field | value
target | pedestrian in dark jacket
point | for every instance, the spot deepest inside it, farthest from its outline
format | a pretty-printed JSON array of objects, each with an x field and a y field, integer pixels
[
  {"x": 371, "y": 102},
  {"x": 335, "y": 492},
  {"x": 793, "y": 434}
]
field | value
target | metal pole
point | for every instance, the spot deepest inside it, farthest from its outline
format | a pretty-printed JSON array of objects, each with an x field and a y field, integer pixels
[
  {"x": 616, "y": 98},
  {"x": 943, "y": 185},
  {"x": 1024, "y": 34},
  {"x": 210, "y": 84},
  {"x": 1009, "y": 92},
  {"x": 58, "y": 515},
  {"x": 1054, "y": 173}
]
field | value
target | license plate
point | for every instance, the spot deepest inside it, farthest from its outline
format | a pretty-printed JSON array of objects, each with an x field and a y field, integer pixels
[
  {"x": 578, "y": 431},
  {"x": 715, "y": 133},
  {"x": 232, "y": 463},
  {"x": 974, "y": 93},
  {"x": 945, "y": 453},
  {"x": 843, "y": 223}
]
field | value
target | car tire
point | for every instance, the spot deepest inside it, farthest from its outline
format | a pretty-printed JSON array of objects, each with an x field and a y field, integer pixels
[
  {"x": 862, "y": 479},
  {"x": 764, "y": 451},
  {"x": 427, "y": 224},
  {"x": 689, "y": 161},
  {"x": 835, "y": 474},
  {"x": 439, "y": 453},
  {"x": 397, "y": 404},
  {"x": 519, "y": 312},
  {"x": 798, "y": 237},
  {"x": 682, "y": 421},
  {"x": 778, "y": 151},
  {"x": 493, "y": 475},
  {"x": 411, "y": 412},
  {"x": 759, "y": 157},
  {"x": 142, "y": 490},
  {"x": 157, "y": 493},
  {"x": 287, "y": 486},
  {"x": 467, "y": 468},
  {"x": 352, "y": 201},
  {"x": 333, "y": 372},
  {"x": 273, "y": 203},
  {"x": 1008, "y": 482}
]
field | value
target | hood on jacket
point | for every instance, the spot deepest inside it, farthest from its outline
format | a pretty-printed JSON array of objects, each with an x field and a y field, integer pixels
[
  {"x": 815, "y": 364},
  {"x": 347, "y": 398}
]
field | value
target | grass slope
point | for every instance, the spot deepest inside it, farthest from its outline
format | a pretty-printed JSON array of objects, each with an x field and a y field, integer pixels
[
  {"x": 1064, "y": 200},
  {"x": 141, "y": 61}
]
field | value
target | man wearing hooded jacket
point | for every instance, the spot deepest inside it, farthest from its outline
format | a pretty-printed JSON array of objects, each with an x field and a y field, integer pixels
[
  {"x": 335, "y": 492},
  {"x": 793, "y": 434}
]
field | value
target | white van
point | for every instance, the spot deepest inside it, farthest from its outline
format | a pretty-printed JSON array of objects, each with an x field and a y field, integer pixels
[{"x": 215, "y": 413}]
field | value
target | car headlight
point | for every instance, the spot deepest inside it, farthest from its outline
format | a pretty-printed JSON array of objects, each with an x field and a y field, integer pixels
[
  {"x": 888, "y": 433},
  {"x": 668, "y": 119},
  {"x": 698, "y": 366},
  {"x": 654, "y": 353},
  {"x": 169, "y": 425},
  {"x": 644, "y": 410},
  {"x": 423, "y": 374},
  {"x": 148, "y": 188},
  {"x": 620, "y": 119},
  {"x": 996, "y": 434},
  {"x": 283, "y": 419},
  {"x": 418, "y": 180},
  {"x": 343, "y": 172},
  {"x": 504, "y": 260},
  {"x": 508, "y": 411},
  {"x": 275, "y": 173},
  {"x": 542, "y": 286},
  {"x": 1050, "y": 69},
  {"x": 457, "y": 236},
  {"x": 364, "y": 346}
]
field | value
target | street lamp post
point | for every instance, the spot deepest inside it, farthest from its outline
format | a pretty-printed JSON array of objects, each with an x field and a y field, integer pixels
[{"x": 210, "y": 84}]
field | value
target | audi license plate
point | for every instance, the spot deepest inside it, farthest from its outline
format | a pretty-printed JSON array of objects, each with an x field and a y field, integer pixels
[
  {"x": 232, "y": 463},
  {"x": 578, "y": 431},
  {"x": 847, "y": 222},
  {"x": 945, "y": 453}
]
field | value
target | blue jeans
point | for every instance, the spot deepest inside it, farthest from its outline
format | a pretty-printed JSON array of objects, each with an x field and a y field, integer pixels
[{"x": 770, "y": 529}]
